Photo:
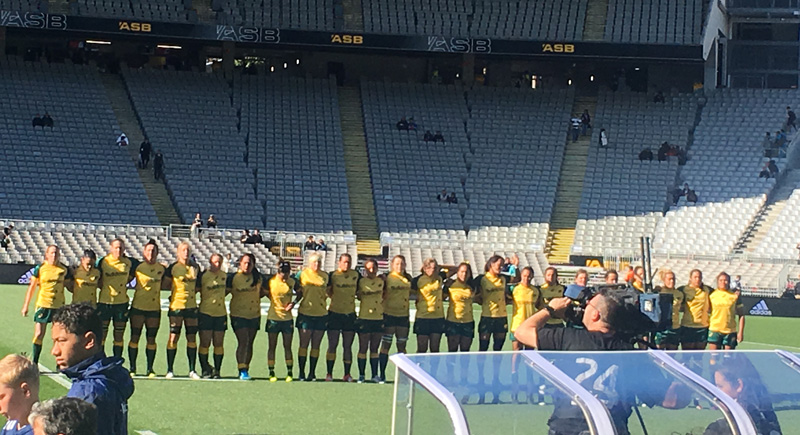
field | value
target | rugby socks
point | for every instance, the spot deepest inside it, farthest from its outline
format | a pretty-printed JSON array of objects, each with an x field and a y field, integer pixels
[
  {"x": 312, "y": 363},
  {"x": 219, "y": 353},
  {"x": 150, "y": 351},
  {"x": 172, "y": 350},
  {"x": 133, "y": 355},
  {"x": 330, "y": 359},
  {"x": 191, "y": 354},
  {"x": 301, "y": 357},
  {"x": 383, "y": 361},
  {"x": 347, "y": 365},
  {"x": 37, "y": 349},
  {"x": 118, "y": 348},
  {"x": 290, "y": 367},
  {"x": 362, "y": 364},
  {"x": 271, "y": 367},
  {"x": 483, "y": 345},
  {"x": 373, "y": 364},
  {"x": 202, "y": 354}
]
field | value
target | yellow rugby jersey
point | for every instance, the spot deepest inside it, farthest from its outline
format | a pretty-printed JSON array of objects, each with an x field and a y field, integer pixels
[
  {"x": 245, "y": 293},
  {"x": 398, "y": 289},
  {"x": 695, "y": 306},
  {"x": 51, "y": 284},
  {"x": 638, "y": 286},
  {"x": 114, "y": 278},
  {"x": 280, "y": 295},
  {"x": 549, "y": 293},
  {"x": 314, "y": 286},
  {"x": 212, "y": 293},
  {"x": 343, "y": 296},
  {"x": 677, "y": 303},
  {"x": 84, "y": 285},
  {"x": 147, "y": 295},
  {"x": 184, "y": 286},
  {"x": 527, "y": 301},
  {"x": 429, "y": 297},
  {"x": 493, "y": 294},
  {"x": 370, "y": 293},
  {"x": 724, "y": 306},
  {"x": 460, "y": 308}
]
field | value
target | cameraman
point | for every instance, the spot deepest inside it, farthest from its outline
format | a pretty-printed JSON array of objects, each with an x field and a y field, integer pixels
[{"x": 605, "y": 312}]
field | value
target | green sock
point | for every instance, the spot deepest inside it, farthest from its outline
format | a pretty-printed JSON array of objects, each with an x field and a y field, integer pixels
[
  {"x": 171, "y": 359},
  {"x": 191, "y": 354},
  {"x": 133, "y": 355},
  {"x": 37, "y": 351},
  {"x": 218, "y": 361},
  {"x": 151, "y": 359}
]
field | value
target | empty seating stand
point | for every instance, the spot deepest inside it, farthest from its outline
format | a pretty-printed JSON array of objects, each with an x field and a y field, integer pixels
[
  {"x": 285, "y": 14},
  {"x": 655, "y": 21},
  {"x": 74, "y": 171},
  {"x": 179, "y": 11},
  {"x": 24, "y": 5},
  {"x": 549, "y": 20}
]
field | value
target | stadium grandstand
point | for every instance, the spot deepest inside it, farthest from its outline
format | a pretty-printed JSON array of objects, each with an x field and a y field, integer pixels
[{"x": 561, "y": 136}]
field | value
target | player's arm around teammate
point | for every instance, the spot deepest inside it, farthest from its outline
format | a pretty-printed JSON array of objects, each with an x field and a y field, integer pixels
[
  {"x": 725, "y": 305},
  {"x": 494, "y": 320},
  {"x": 312, "y": 314},
  {"x": 49, "y": 277},
  {"x": 146, "y": 307},
  {"x": 527, "y": 300},
  {"x": 670, "y": 339},
  {"x": 429, "y": 322},
  {"x": 460, "y": 322},
  {"x": 342, "y": 315},
  {"x": 279, "y": 290},
  {"x": 696, "y": 306},
  {"x": 551, "y": 289},
  {"x": 370, "y": 292},
  {"x": 85, "y": 279},
  {"x": 245, "y": 310},
  {"x": 212, "y": 316},
  {"x": 181, "y": 279},
  {"x": 116, "y": 271},
  {"x": 395, "y": 311}
]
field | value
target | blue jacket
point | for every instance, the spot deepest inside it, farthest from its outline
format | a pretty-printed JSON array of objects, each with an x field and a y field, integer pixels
[{"x": 104, "y": 382}]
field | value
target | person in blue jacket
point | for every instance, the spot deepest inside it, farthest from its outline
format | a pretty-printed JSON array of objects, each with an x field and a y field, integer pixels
[{"x": 96, "y": 378}]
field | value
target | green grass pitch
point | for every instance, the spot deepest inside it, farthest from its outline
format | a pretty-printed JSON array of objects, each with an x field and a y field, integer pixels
[{"x": 181, "y": 406}]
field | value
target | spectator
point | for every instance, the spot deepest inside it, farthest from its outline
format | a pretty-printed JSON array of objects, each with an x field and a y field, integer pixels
[
  {"x": 158, "y": 166},
  {"x": 47, "y": 121},
  {"x": 691, "y": 196},
  {"x": 226, "y": 263},
  {"x": 767, "y": 144},
  {"x": 659, "y": 97},
  {"x": 19, "y": 391},
  {"x": 646, "y": 154},
  {"x": 402, "y": 124},
  {"x": 791, "y": 119},
  {"x": 736, "y": 285},
  {"x": 145, "y": 150},
  {"x": 662, "y": 151},
  {"x": 100, "y": 380},
  {"x": 586, "y": 121},
  {"x": 428, "y": 136},
  {"x": 321, "y": 246},
  {"x": 257, "y": 239},
  {"x": 629, "y": 274},
  {"x": 5, "y": 237},
  {"x": 197, "y": 223},
  {"x": 245, "y": 237},
  {"x": 575, "y": 122},
  {"x": 65, "y": 415},
  {"x": 438, "y": 137},
  {"x": 122, "y": 140},
  {"x": 681, "y": 153},
  {"x": 611, "y": 277},
  {"x": 780, "y": 138},
  {"x": 211, "y": 222},
  {"x": 677, "y": 193},
  {"x": 603, "y": 138},
  {"x": 452, "y": 199},
  {"x": 412, "y": 125},
  {"x": 37, "y": 121},
  {"x": 770, "y": 170},
  {"x": 442, "y": 197},
  {"x": 309, "y": 245}
]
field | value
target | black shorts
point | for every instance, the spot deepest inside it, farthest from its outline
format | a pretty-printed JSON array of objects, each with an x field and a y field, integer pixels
[
  {"x": 312, "y": 323},
  {"x": 186, "y": 313},
  {"x": 428, "y": 326},
  {"x": 241, "y": 323},
  {"x": 493, "y": 325},
  {"x": 146, "y": 314},
  {"x": 341, "y": 322},
  {"x": 461, "y": 329},
  {"x": 279, "y": 326},
  {"x": 44, "y": 315},
  {"x": 395, "y": 321},
  {"x": 212, "y": 323},
  {"x": 369, "y": 326},
  {"x": 115, "y": 312}
]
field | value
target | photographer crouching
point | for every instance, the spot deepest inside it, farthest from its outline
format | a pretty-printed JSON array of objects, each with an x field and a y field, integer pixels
[{"x": 611, "y": 318}]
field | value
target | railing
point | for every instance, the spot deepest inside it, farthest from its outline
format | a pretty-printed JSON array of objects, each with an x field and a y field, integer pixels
[
  {"x": 34, "y": 225},
  {"x": 763, "y": 4}
]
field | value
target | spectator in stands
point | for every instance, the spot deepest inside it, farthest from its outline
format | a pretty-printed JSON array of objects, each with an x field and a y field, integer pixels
[
  {"x": 780, "y": 138},
  {"x": 586, "y": 121},
  {"x": 47, "y": 121},
  {"x": 662, "y": 151},
  {"x": 791, "y": 119},
  {"x": 5, "y": 237},
  {"x": 145, "y": 150},
  {"x": 321, "y": 246},
  {"x": 37, "y": 121},
  {"x": 412, "y": 125},
  {"x": 402, "y": 124},
  {"x": 736, "y": 285},
  {"x": 646, "y": 154},
  {"x": 691, "y": 196},
  {"x": 575, "y": 123},
  {"x": 158, "y": 166},
  {"x": 245, "y": 237},
  {"x": 211, "y": 222},
  {"x": 257, "y": 239},
  {"x": 629, "y": 274},
  {"x": 452, "y": 199},
  {"x": 442, "y": 197},
  {"x": 767, "y": 144},
  {"x": 659, "y": 97},
  {"x": 677, "y": 193},
  {"x": 197, "y": 223},
  {"x": 438, "y": 137},
  {"x": 122, "y": 140},
  {"x": 309, "y": 245},
  {"x": 603, "y": 138},
  {"x": 226, "y": 263},
  {"x": 428, "y": 136},
  {"x": 770, "y": 170},
  {"x": 611, "y": 277}
]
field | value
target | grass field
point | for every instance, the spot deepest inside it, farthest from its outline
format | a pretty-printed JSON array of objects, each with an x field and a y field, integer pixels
[{"x": 182, "y": 406}]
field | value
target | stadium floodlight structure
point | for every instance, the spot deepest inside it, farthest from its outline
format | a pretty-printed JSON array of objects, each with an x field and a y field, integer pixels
[{"x": 687, "y": 392}]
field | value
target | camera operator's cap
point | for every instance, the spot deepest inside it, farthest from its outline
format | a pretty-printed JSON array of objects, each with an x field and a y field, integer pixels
[
  {"x": 573, "y": 291},
  {"x": 285, "y": 266}
]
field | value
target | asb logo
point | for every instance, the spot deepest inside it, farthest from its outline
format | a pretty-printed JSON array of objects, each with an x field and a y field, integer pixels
[
  {"x": 760, "y": 309},
  {"x": 26, "y": 278}
]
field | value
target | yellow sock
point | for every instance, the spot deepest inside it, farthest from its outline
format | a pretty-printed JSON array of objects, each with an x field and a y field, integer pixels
[
  {"x": 302, "y": 352},
  {"x": 133, "y": 345},
  {"x": 202, "y": 350},
  {"x": 314, "y": 353},
  {"x": 37, "y": 341},
  {"x": 152, "y": 347},
  {"x": 219, "y": 350},
  {"x": 242, "y": 366},
  {"x": 329, "y": 356},
  {"x": 172, "y": 346}
]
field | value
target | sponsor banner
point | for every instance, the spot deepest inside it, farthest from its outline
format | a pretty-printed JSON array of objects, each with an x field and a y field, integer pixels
[
  {"x": 290, "y": 37},
  {"x": 771, "y": 307},
  {"x": 16, "y": 273},
  {"x": 586, "y": 260}
]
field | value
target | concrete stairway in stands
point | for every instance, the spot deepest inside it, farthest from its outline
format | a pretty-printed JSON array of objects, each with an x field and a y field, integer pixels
[
  {"x": 359, "y": 180},
  {"x": 353, "y": 15},
  {"x": 771, "y": 210},
  {"x": 568, "y": 193},
  {"x": 594, "y": 26},
  {"x": 126, "y": 118}
]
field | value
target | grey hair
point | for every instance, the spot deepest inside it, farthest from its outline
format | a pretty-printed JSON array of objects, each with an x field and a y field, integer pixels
[{"x": 65, "y": 416}]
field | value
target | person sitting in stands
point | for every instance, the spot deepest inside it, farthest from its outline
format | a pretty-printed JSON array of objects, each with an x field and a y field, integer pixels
[
  {"x": 428, "y": 136},
  {"x": 451, "y": 198},
  {"x": 691, "y": 196},
  {"x": 442, "y": 197},
  {"x": 402, "y": 124},
  {"x": 245, "y": 236},
  {"x": 47, "y": 121},
  {"x": 646, "y": 154},
  {"x": 256, "y": 238},
  {"x": 309, "y": 245},
  {"x": 211, "y": 222},
  {"x": 438, "y": 137},
  {"x": 321, "y": 246},
  {"x": 122, "y": 140},
  {"x": 38, "y": 122},
  {"x": 412, "y": 125},
  {"x": 662, "y": 151}
]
